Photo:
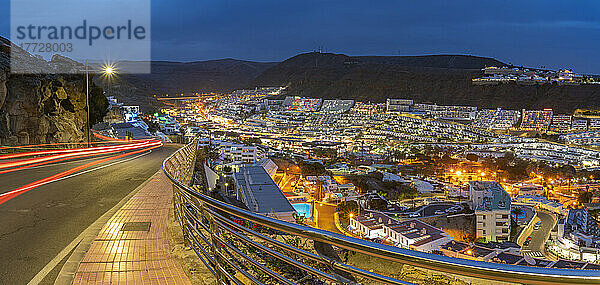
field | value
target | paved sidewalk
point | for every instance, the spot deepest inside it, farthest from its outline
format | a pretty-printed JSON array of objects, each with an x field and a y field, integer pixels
[{"x": 127, "y": 251}]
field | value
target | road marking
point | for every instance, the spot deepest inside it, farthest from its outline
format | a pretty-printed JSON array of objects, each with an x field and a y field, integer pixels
[
  {"x": 103, "y": 166},
  {"x": 62, "y": 254},
  {"x": 59, "y": 163},
  {"x": 534, "y": 253},
  {"x": 79, "y": 173}
]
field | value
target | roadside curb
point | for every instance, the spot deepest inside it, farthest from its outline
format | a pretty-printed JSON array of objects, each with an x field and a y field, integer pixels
[
  {"x": 83, "y": 242},
  {"x": 527, "y": 229},
  {"x": 338, "y": 225}
]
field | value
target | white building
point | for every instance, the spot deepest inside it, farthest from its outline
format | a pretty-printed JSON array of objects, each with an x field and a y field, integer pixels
[
  {"x": 528, "y": 189},
  {"x": 412, "y": 234},
  {"x": 131, "y": 109},
  {"x": 370, "y": 225},
  {"x": 415, "y": 235},
  {"x": 398, "y": 105},
  {"x": 492, "y": 209},
  {"x": 237, "y": 153}
]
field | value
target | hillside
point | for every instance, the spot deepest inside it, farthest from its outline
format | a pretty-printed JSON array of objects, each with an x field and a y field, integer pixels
[
  {"x": 441, "y": 79},
  {"x": 222, "y": 75}
]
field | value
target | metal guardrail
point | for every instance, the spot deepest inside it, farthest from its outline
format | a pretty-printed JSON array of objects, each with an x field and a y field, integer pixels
[{"x": 242, "y": 247}]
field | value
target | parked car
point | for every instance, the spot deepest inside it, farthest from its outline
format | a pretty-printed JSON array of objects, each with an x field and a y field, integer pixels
[
  {"x": 414, "y": 215},
  {"x": 526, "y": 243},
  {"x": 537, "y": 225},
  {"x": 439, "y": 212}
]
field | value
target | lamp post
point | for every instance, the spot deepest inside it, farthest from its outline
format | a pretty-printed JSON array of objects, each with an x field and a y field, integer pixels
[
  {"x": 107, "y": 71},
  {"x": 87, "y": 102}
]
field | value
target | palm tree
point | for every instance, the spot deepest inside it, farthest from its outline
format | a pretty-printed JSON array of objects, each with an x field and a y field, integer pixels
[{"x": 585, "y": 197}]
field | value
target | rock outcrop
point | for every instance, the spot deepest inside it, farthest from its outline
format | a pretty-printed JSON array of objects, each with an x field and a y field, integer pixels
[{"x": 39, "y": 108}]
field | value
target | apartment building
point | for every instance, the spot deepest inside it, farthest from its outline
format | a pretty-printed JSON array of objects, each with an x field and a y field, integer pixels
[
  {"x": 492, "y": 209},
  {"x": 257, "y": 190},
  {"x": 398, "y": 105},
  {"x": 415, "y": 235},
  {"x": 237, "y": 153},
  {"x": 412, "y": 234},
  {"x": 537, "y": 120},
  {"x": 560, "y": 123},
  {"x": 594, "y": 124},
  {"x": 579, "y": 125}
]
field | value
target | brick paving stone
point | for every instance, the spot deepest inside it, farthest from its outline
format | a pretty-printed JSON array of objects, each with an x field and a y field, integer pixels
[{"x": 135, "y": 257}]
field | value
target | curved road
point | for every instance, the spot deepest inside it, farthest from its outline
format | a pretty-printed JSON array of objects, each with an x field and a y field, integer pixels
[
  {"x": 540, "y": 236},
  {"x": 38, "y": 224}
]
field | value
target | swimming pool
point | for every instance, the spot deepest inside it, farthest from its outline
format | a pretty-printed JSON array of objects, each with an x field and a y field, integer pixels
[
  {"x": 303, "y": 209},
  {"x": 521, "y": 215}
]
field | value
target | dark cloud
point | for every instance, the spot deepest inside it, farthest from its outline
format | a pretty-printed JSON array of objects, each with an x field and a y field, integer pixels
[{"x": 531, "y": 33}]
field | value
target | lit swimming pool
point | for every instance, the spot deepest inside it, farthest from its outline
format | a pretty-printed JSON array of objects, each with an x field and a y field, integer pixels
[
  {"x": 521, "y": 215},
  {"x": 303, "y": 209}
]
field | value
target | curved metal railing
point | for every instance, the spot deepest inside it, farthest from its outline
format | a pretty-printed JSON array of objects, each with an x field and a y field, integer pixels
[{"x": 242, "y": 247}]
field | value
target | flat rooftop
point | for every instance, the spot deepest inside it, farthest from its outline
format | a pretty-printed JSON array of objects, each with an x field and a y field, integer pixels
[{"x": 260, "y": 190}]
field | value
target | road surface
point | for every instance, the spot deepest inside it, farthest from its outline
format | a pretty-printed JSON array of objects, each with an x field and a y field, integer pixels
[
  {"x": 35, "y": 226},
  {"x": 539, "y": 237}
]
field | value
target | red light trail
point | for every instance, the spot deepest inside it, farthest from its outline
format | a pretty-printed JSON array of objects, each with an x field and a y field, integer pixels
[{"x": 68, "y": 154}]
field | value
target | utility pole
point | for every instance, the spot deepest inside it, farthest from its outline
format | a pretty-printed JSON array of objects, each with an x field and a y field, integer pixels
[{"x": 87, "y": 101}]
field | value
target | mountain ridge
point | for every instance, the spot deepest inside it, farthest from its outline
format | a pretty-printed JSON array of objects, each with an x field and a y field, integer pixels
[
  {"x": 439, "y": 79},
  {"x": 444, "y": 79}
]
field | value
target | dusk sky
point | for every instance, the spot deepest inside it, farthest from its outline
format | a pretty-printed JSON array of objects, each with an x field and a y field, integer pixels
[{"x": 530, "y": 33}]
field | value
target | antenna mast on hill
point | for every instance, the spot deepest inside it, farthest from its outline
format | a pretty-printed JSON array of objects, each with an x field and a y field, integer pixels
[{"x": 318, "y": 51}]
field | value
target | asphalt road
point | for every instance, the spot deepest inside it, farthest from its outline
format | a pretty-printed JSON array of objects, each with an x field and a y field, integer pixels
[
  {"x": 37, "y": 225},
  {"x": 430, "y": 210},
  {"x": 539, "y": 237}
]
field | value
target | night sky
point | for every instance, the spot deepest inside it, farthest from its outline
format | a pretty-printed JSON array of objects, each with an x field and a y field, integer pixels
[{"x": 530, "y": 33}]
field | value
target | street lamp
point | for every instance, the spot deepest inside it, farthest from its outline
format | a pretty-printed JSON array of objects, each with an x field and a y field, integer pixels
[
  {"x": 108, "y": 71},
  {"x": 87, "y": 102}
]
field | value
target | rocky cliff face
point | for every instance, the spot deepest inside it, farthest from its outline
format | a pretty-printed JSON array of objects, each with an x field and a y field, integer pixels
[{"x": 39, "y": 108}]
